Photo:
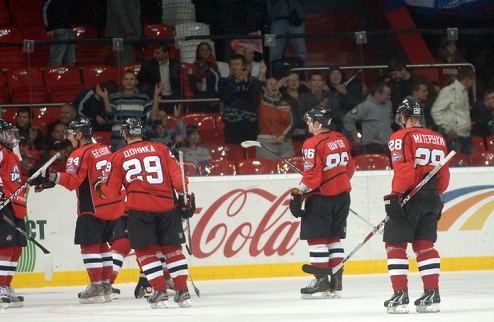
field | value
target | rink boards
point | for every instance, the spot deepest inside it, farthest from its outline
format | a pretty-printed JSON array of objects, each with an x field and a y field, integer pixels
[{"x": 243, "y": 229}]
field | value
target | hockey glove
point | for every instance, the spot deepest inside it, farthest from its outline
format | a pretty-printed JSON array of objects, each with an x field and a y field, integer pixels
[
  {"x": 46, "y": 181},
  {"x": 97, "y": 187},
  {"x": 392, "y": 205},
  {"x": 187, "y": 210},
  {"x": 296, "y": 204}
]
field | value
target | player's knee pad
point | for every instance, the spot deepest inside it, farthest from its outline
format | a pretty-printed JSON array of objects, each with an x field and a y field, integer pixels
[{"x": 421, "y": 247}]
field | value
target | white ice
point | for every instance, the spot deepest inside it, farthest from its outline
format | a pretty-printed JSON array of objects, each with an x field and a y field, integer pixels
[{"x": 466, "y": 296}]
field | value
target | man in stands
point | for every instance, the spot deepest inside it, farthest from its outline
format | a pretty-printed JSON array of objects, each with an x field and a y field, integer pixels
[{"x": 415, "y": 152}]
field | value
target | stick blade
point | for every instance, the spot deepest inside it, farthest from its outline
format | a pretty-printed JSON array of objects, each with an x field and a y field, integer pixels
[
  {"x": 248, "y": 144},
  {"x": 309, "y": 269},
  {"x": 48, "y": 267}
]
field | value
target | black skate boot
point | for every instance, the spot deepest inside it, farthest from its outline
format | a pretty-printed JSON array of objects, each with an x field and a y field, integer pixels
[
  {"x": 398, "y": 303},
  {"x": 318, "y": 288},
  {"x": 428, "y": 302},
  {"x": 336, "y": 283}
]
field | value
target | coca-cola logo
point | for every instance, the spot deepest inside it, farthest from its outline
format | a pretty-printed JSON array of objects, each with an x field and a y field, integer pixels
[{"x": 275, "y": 232}]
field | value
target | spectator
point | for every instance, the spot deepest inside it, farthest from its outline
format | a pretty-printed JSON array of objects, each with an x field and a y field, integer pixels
[
  {"x": 448, "y": 54},
  {"x": 276, "y": 122},
  {"x": 204, "y": 79},
  {"x": 291, "y": 89},
  {"x": 90, "y": 103},
  {"x": 59, "y": 164},
  {"x": 420, "y": 91},
  {"x": 130, "y": 103},
  {"x": 252, "y": 66},
  {"x": 122, "y": 21},
  {"x": 483, "y": 115},
  {"x": 180, "y": 126},
  {"x": 165, "y": 70},
  {"x": 29, "y": 159},
  {"x": 375, "y": 116},
  {"x": 451, "y": 112},
  {"x": 317, "y": 96},
  {"x": 30, "y": 134},
  {"x": 58, "y": 24},
  {"x": 401, "y": 82},
  {"x": 192, "y": 150},
  {"x": 347, "y": 97},
  {"x": 169, "y": 137},
  {"x": 287, "y": 17},
  {"x": 240, "y": 95},
  {"x": 67, "y": 113}
]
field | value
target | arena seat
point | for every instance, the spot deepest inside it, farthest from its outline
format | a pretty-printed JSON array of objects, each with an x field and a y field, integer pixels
[
  {"x": 478, "y": 143},
  {"x": 489, "y": 143},
  {"x": 41, "y": 55},
  {"x": 206, "y": 125},
  {"x": 135, "y": 67},
  {"x": 233, "y": 152},
  {"x": 4, "y": 93},
  {"x": 26, "y": 85},
  {"x": 218, "y": 167},
  {"x": 256, "y": 166},
  {"x": 297, "y": 161},
  {"x": 44, "y": 115},
  {"x": 103, "y": 137},
  {"x": 97, "y": 74},
  {"x": 11, "y": 56},
  {"x": 159, "y": 31},
  {"x": 478, "y": 159},
  {"x": 91, "y": 54},
  {"x": 190, "y": 169},
  {"x": 63, "y": 83},
  {"x": 459, "y": 160},
  {"x": 372, "y": 161}
]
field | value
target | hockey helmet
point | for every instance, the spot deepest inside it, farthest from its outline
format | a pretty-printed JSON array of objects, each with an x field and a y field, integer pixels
[
  {"x": 80, "y": 124},
  {"x": 132, "y": 126},
  {"x": 408, "y": 107},
  {"x": 319, "y": 113},
  {"x": 9, "y": 134}
]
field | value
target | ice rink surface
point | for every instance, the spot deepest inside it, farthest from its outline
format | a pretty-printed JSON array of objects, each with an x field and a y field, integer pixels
[{"x": 466, "y": 296}]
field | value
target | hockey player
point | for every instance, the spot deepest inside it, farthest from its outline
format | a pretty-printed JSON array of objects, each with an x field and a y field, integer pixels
[
  {"x": 96, "y": 217},
  {"x": 11, "y": 241},
  {"x": 150, "y": 175},
  {"x": 415, "y": 151},
  {"x": 325, "y": 187}
]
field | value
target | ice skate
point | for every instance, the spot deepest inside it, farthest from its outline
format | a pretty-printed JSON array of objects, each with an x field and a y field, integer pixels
[
  {"x": 428, "y": 302},
  {"x": 143, "y": 288},
  {"x": 318, "y": 288},
  {"x": 336, "y": 283},
  {"x": 15, "y": 300},
  {"x": 182, "y": 298},
  {"x": 398, "y": 303},
  {"x": 158, "y": 300},
  {"x": 169, "y": 284},
  {"x": 4, "y": 298},
  {"x": 115, "y": 293},
  {"x": 94, "y": 293},
  {"x": 108, "y": 290}
]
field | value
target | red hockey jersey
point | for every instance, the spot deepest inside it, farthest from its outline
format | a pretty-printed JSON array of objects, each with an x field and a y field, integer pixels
[
  {"x": 150, "y": 174},
  {"x": 10, "y": 179},
  {"x": 84, "y": 165},
  {"x": 415, "y": 152},
  {"x": 328, "y": 164}
]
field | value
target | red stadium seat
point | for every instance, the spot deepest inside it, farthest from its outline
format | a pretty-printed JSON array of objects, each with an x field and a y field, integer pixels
[
  {"x": 185, "y": 81},
  {"x": 159, "y": 31},
  {"x": 190, "y": 169},
  {"x": 11, "y": 56},
  {"x": 135, "y": 67},
  {"x": 218, "y": 167},
  {"x": 489, "y": 143},
  {"x": 5, "y": 17},
  {"x": 103, "y": 137},
  {"x": 171, "y": 122},
  {"x": 207, "y": 126},
  {"x": 97, "y": 74},
  {"x": 459, "y": 160},
  {"x": 233, "y": 152},
  {"x": 256, "y": 166},
  {"x": 478, "y": 159},
  {"x": 4, "y": 93},
  {"x": 372, "y": 161},
  {"x": 88, "y": 55},
  {"x": 478, "y": 143},
  {"x": 297, "y": 147},
  {"x": 26, "y": 85},
  {"x": 42, "y": 116},
  {"x": 63, "y": 83},
  {"x": 297, "y": 161},
  {"x": 41, "y": 55}
]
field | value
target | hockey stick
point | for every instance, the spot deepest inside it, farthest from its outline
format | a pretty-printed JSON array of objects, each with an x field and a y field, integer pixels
[
  {"x": 248, "y": 144},
  {"x": 48, "y": 258},
  {"x": 328, "y": 271},
  {"x": 189, "y": 248}
]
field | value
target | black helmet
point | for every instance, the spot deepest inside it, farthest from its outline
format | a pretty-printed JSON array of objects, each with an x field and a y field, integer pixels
[
  {"x": 9, "y": 134},
  {"x": 408, "y": 107},
  {"x": 319, "y": 113},
  {"x": 81, "y": 124},
  {"x": 132, "y": 126}
]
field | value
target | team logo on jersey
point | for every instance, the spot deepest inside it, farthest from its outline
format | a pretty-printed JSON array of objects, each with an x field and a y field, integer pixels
[
  {"x": 396, "y": 156},
  {"x": 70, "y": 169},
  {"x": 307, "y": 165},
  {"x": 15, "y": 174}
]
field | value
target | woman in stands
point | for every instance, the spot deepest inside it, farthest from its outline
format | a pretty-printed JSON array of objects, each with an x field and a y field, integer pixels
[
  {"x": 204, "y": 79},
  {"x": 448, "y": 54},
  {"x": 193, "y": 152}
]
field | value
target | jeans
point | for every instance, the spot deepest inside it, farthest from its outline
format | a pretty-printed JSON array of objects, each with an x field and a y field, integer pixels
[
  {"x": 280, "y": 27},
  {"x": 62, "y": 54}
]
